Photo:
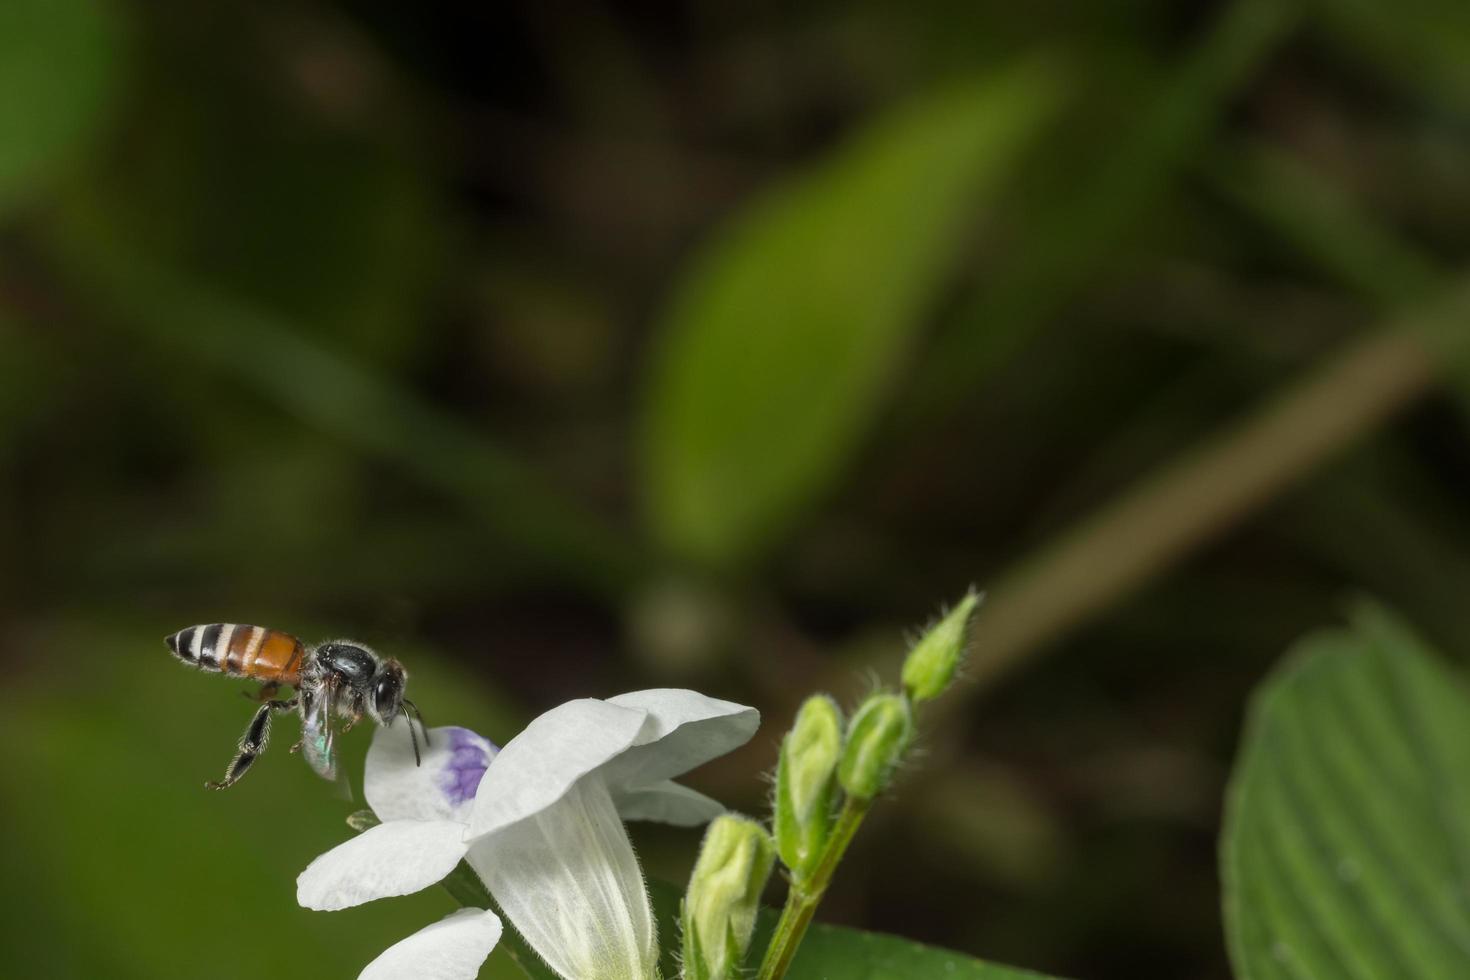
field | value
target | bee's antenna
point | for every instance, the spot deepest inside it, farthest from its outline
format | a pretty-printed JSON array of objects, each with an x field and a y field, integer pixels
[
  {"x": 412, "y": 737},
  {"x": 420, "y": 714}
]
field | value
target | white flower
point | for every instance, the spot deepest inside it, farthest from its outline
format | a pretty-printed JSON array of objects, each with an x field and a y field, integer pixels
[
  {"x": 546, "y": 836},
  {"x": 424, "y": 809},
  {"x": 545, "y": 829},
  {"x": 451, "y": 949}
]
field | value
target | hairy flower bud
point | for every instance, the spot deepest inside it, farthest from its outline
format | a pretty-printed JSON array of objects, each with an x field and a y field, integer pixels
[
  {"x": 806, "y": 784},
  {"x": 724, "y": 894},
  {"x": 931, "y": 664},
  {"x": 877, "y": 739}
]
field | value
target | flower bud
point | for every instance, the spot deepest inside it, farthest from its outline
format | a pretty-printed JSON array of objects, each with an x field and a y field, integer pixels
[
  {"x": 877, "y": 739},
  {"x": 931, "y": 664},
  {"x": 806, "y": 784},
  {"x": 363, "y": 820},
  {"x": 724, "y": 894}
]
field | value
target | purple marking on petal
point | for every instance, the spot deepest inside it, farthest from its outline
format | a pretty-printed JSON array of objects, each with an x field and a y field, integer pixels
[{"x": 469, "y": 756}]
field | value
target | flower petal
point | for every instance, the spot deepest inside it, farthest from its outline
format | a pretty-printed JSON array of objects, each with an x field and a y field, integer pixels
[
  {"x": 442, "y": 788},
  {"x": 541, "y": 764},
  {"x": 684, "y": 730},
  {"x": 568, "y": 880},
  {"x": 451, "y": 949},
  {"x": 667, "y": 802},
  {"x": 395, "y": 858}
]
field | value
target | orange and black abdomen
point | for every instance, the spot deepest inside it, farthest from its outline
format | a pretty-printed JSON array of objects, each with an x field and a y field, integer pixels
[{"x": 242, "y": 651}]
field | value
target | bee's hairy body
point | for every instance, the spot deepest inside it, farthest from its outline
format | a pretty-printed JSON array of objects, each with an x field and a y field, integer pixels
[{"x": 340, "y": 678}]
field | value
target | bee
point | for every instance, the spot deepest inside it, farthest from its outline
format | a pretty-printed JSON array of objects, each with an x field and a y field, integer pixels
[{"x": 339, "y": 678}]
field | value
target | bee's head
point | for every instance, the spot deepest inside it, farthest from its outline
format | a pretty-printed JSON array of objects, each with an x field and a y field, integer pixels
[
  {"x": 388, "y": 701},
  {"x": 388, "y": 684}
]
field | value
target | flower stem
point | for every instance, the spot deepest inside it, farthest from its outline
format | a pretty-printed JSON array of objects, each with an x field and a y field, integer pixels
[
  {"x": 465, "y": 887},
  {"x": 804, "y": 897}
]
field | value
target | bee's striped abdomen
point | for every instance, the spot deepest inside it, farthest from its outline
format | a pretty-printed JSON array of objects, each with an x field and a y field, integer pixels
[
  {"x": 188, "y": 646},
  {"x": 244, "y": 651}
]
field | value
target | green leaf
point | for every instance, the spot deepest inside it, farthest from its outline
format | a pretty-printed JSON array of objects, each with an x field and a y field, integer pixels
[
  {"x": 829, "y": 952},
  {"x": 1347, "y": 841},
  {"x": 58, "y": 62},
  {"x": 779, "y": 345}
]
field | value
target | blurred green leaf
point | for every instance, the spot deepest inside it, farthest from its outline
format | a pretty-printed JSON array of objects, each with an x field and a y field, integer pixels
[
  {"x": 32, "y": 377},
  {"x": 1347, "y": 841},
  {"x": 1070, "y": 237},
  {"x": 781, "y": 340},
  {"x": 1307, "y": 209},
  {"x": 58, "y": 74},
  {"x": 241, "y": 186},
  {"x": 1423, "y": 45},
  {"x": 347, "y": 400}
]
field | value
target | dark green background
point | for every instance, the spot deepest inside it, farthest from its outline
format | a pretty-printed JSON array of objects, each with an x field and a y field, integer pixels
[{"x": 415, "y": 323}]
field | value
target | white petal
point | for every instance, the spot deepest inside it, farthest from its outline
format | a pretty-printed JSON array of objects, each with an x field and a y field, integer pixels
[
  {"x": 568, "y": 880},
  {"x": 541, "y": 764},
  {"x": 667, "y": 802},
  {"x": 451, "y": 949},
  {"x": 684, "y": 730},
  {"x": 442, "y": 788},
  {"x": 395, "y": 858}
]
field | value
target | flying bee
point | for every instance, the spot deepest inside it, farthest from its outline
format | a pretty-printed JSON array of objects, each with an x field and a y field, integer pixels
[{"x": 337, "y": 679}]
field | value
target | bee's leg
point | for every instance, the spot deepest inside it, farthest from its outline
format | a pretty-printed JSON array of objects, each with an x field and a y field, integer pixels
[
  {"x": 266, "y": 693},
  {"x": 356, "y": 717},
  {"x": 252, "y": 743}
]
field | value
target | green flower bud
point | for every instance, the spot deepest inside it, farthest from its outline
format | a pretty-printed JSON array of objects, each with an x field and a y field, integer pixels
[
  {"x": 363, "y": 820},
  {"x": 806, "y": 784},
  {"x": 877, "y": 739},
  {"x": 931, "y": 664},
  {"x": 724, "y": 894}
]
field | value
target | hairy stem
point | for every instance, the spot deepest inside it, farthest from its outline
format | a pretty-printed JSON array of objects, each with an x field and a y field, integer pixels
[{"x": 804, "y": 897}]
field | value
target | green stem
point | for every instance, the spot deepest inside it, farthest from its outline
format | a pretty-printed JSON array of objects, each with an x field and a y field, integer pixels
[
  {"x": 465, "y": 887},
  {"x": 804, "y": 897}
]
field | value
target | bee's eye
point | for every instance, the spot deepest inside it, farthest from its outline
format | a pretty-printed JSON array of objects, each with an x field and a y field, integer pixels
[{"x": 386, "y": 694}]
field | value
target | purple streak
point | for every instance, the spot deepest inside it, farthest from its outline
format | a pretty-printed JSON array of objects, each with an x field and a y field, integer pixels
[{"x": 469, "y": 755}]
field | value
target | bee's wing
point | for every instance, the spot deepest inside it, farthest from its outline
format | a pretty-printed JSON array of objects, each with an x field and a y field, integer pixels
[{"x": 317, "y": 734}]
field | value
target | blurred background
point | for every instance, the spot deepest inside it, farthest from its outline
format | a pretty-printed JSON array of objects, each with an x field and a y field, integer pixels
[{"x": 565, "y": 348}]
